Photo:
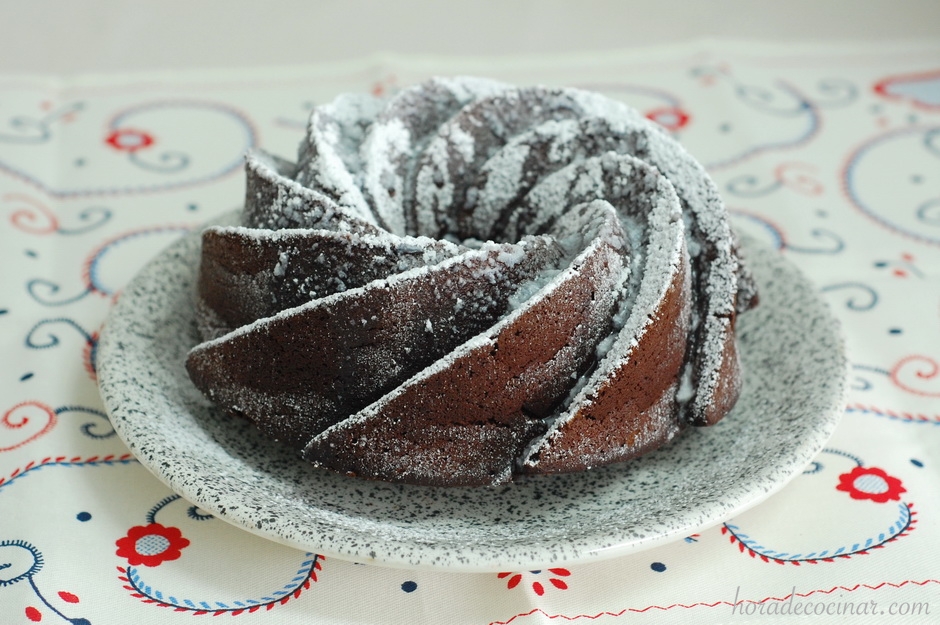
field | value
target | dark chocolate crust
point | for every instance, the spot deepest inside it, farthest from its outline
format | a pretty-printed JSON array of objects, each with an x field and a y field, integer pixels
[{"x": 469, "y": 282}]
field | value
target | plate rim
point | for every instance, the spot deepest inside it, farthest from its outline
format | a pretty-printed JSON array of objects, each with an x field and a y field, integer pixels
[{"x": 110, "y": 344}]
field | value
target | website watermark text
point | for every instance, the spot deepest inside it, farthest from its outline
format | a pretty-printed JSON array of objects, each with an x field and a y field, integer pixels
[{"x": 793, "y": 605}]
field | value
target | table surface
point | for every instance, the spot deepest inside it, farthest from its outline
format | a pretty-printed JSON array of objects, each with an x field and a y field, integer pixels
[{"x": 828, "y": 153}]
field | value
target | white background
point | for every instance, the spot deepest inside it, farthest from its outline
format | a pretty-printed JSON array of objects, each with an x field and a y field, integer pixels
[{"x": 69, "y": 36}]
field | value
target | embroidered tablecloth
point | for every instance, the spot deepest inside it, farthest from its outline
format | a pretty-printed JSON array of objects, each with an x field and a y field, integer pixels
[{"x": 829, "y": 154}]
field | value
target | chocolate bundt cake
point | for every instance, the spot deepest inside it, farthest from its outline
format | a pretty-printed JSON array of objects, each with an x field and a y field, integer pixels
[{"x": 469, "y": 282}]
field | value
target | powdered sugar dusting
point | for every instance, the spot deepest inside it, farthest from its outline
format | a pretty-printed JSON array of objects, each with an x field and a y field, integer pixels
[{"x": 387, "y": 193}]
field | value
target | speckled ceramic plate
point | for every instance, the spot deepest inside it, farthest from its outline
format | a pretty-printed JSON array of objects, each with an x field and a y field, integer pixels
[{"x": 791, "y": 348}]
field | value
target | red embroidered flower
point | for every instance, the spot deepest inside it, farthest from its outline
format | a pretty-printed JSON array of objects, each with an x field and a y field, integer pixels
[
  {"x": 870, "y": 483},
  {"x": 129, "y": 140},
  {"x": 669, "y": 117},
  {"x": 537, "y": 587},
  {"x": 151, "y": 545}
]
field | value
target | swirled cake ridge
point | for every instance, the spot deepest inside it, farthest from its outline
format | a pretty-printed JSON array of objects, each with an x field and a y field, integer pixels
[{"x": 468, "y": 282}]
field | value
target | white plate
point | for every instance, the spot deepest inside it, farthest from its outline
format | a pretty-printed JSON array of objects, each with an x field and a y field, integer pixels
[{"x": 793, "y": 358}]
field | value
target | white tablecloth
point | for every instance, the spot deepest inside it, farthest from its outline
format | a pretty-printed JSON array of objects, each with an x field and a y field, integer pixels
[{"x": 829, "y": 154}]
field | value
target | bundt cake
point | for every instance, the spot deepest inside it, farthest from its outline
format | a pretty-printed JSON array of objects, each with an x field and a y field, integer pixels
[{"x": 469, "y": 282}]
